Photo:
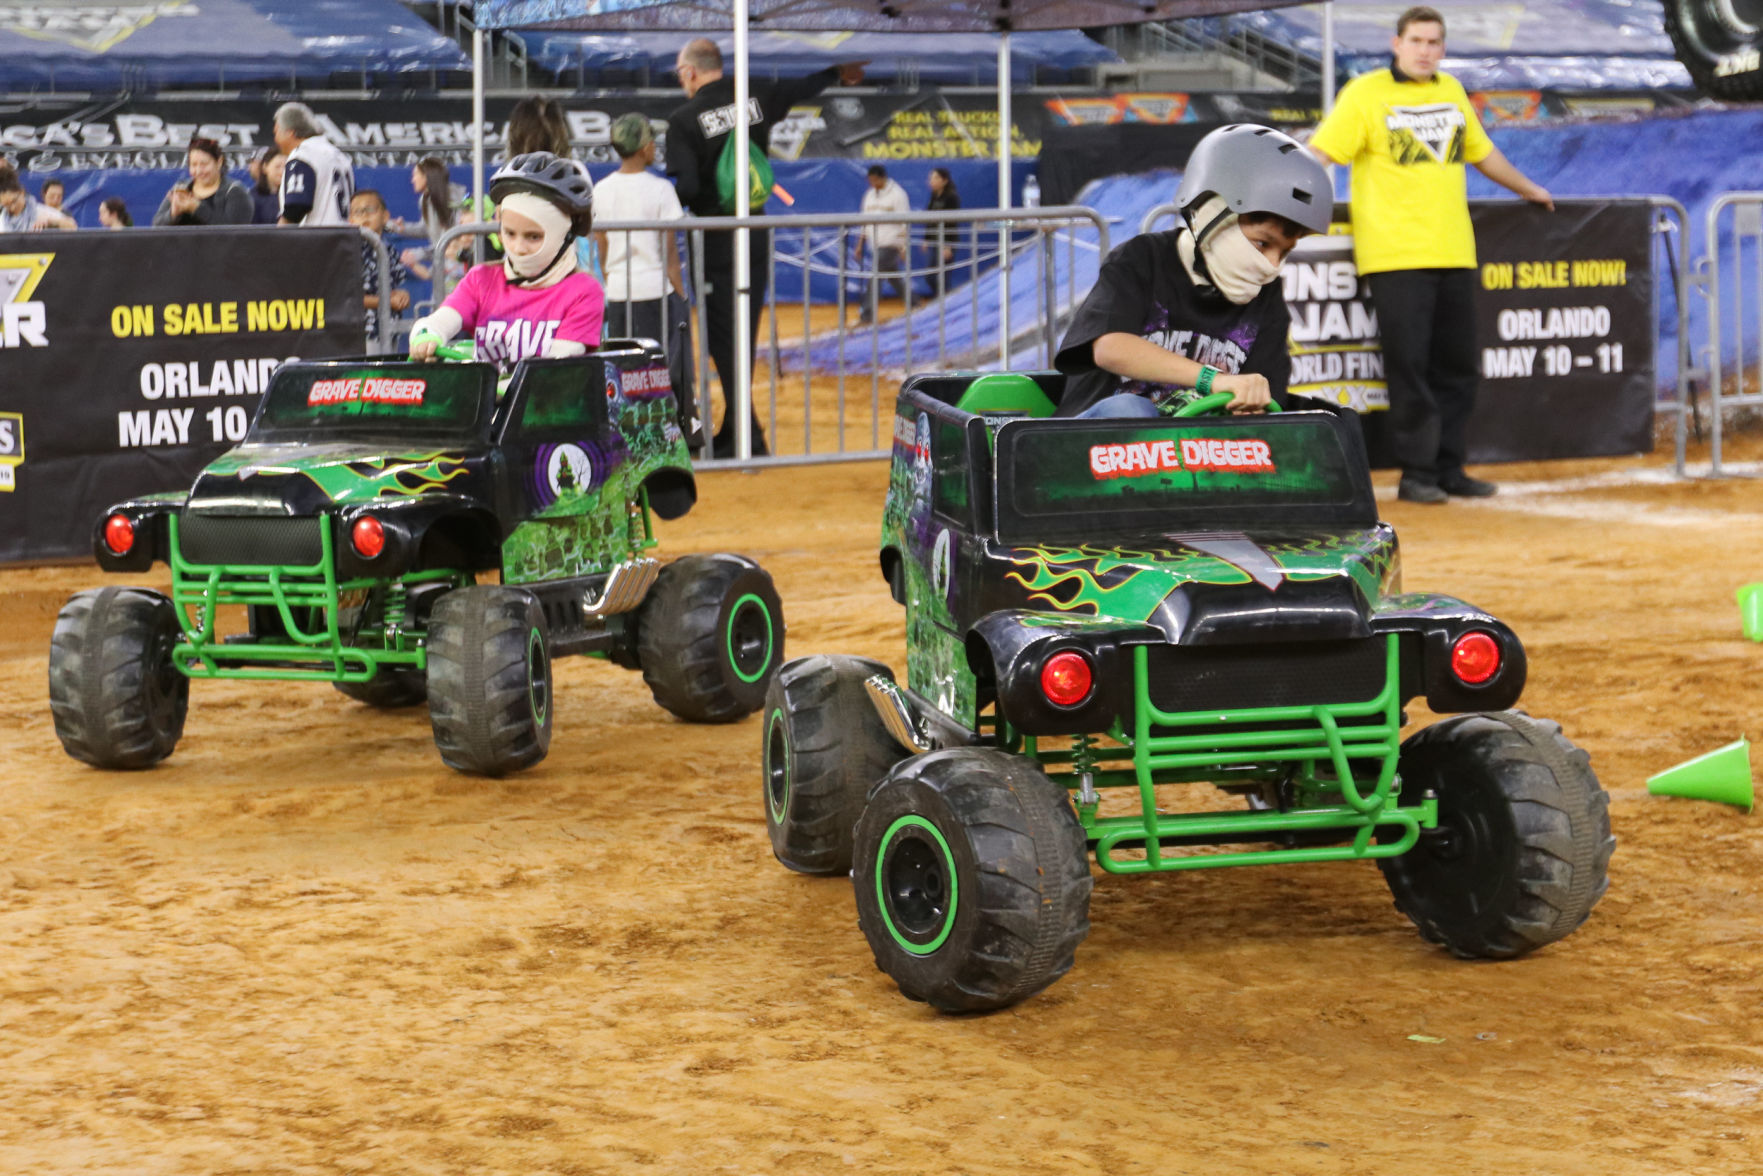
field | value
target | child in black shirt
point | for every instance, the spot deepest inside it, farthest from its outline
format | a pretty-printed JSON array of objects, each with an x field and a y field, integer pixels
[{"x": 1197, "y": 310}]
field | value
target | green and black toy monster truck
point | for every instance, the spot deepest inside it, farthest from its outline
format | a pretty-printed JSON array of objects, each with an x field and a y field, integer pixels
[
  {"x": 1124, "y": 604},
  {"x": 352, "y": 525}
]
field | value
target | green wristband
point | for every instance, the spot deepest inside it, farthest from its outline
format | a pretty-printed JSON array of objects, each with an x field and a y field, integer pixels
[{"x": 1204, "y": 384}]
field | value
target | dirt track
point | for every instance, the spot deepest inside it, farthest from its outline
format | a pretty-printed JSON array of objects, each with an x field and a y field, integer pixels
[{"x": 302, "y": 945}]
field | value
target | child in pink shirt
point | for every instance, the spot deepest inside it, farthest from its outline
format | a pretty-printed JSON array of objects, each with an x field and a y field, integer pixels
[{"x": 536, "y": 302}]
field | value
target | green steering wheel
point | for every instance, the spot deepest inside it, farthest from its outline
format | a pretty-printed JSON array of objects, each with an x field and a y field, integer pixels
[{"x": 1212, "y": 402}]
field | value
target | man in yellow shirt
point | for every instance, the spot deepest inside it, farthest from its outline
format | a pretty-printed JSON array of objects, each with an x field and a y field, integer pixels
[{"x": 1407, "y": 132}]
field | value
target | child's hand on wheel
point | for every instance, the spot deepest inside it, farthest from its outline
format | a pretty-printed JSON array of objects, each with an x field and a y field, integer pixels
[
  {"x": 423, "y": 345},
  {"x": 1249, "y": 392}
]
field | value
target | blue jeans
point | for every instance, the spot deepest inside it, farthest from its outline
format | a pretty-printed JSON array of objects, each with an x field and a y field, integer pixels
[{"x": 1120, "y": 405}]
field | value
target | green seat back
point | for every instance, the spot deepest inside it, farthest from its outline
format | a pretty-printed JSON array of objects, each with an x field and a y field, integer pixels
[{"x": 1005, "y": 392}]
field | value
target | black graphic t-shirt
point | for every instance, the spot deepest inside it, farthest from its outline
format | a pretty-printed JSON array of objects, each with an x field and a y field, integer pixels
[{"x": 1143, "y": 289}]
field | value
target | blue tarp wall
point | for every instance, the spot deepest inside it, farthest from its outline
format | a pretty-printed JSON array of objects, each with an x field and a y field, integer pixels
[
  {"x": 944, "y": 58},
  {"x": 214, "y": 43}
]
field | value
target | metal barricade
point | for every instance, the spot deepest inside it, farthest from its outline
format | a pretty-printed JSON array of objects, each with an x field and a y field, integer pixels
[
  {"x": 808, "y": 387},
  {"x": 1669, "y": 219},
  {"x": 1730, "y": 277}
]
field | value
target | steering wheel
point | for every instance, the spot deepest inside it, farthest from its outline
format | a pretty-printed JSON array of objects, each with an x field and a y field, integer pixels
[
  {"x": 1210, "y": 403},
  {"x": 463, "y": 352}
]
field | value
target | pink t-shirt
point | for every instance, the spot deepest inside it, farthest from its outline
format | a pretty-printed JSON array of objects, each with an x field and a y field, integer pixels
[{"x": 512, "y": 323}]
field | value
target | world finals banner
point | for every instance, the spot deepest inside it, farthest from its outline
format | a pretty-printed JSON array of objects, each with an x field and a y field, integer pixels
[
  {"x": 129, "y": 360},
  {"x": 1564, "y": 331}
]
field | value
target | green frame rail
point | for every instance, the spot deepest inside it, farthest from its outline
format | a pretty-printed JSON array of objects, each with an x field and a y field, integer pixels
[
  {"x": 323, "y": 652},
  {"x": 1307, "y": 738}
]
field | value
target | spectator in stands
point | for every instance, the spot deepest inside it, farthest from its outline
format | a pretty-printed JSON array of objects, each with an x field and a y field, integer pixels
[
  {"x": 536, "y": 301},
  {"x": 1178, "y": 315},
  {"x": 53, "y": 194},
  {"x": 266, "y": 185},
  {"x": 1407, "y": 131},
  {"x": 367, "y": 210},
  {"x": 438, "y": 201},
  {"x": 114, "y": 214},
  {"x": 20, "y": 212},
  {"x": 940, "y": 240},
  {"x": 209, "y": 196},
  {"x": 697, "y": 133},
  {"x": 887, "y": 241},
  {"x": 318, "y": 181},
  {"x": 537, "y": 124},
  {"x": 642, "y": 269}
]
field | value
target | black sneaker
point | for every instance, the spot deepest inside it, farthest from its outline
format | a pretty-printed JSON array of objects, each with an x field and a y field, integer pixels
[
  {"x": 1420, "y": 490},
  {"x": 1464, "y": 486}
]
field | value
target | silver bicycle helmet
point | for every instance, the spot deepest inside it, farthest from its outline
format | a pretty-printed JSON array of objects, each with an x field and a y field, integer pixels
[
  {"x": 545, "y": 174},
  {"x": 1257, "y": 169}
]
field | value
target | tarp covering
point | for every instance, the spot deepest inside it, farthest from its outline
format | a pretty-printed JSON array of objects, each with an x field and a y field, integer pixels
[
  {"x": 947, "y": 58},
  {"x": 898, "y": 16},
  {"x": 78, "y": 45},
  {"x": 1537, "y": 44}
]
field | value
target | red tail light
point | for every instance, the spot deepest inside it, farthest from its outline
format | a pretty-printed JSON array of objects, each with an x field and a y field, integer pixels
[
  {"x": 1066, "y": 678},
  {"x": 368, "y": 536},
  {"x": 1475, "y": 658},
  {"x": 119, "y": 534}
]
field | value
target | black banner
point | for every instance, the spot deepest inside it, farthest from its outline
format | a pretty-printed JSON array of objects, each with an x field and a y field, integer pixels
[
  {"x": 1564, "y": 328},
  {"x": 130, "y": 360},
  {"x": 51, "y": 133}
]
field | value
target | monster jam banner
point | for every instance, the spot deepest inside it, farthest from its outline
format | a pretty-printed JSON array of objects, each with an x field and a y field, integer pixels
[
  {"x": 129, "y": 360},
  {"x": 1564, "y": 328}
]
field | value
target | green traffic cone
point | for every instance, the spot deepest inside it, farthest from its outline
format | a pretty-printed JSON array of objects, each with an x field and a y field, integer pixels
[
  {"x": 1722, "y": 775},
  {"x": 1750, "y": 598}
]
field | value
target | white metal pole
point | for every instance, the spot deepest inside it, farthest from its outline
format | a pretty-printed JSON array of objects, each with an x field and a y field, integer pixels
[
  {"x": 477, "y": 142},
  {"x": 1327, "y": 56},
  {"x": 743, "y": 267},
  {"x": 1004, "y": 140}
]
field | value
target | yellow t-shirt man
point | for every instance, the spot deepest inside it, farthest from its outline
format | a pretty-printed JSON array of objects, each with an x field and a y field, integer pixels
[{"x": 1407, "y": 142}]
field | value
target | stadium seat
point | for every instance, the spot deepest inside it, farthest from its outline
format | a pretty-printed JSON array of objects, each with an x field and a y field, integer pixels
[{"x": 1005, "y": 392}]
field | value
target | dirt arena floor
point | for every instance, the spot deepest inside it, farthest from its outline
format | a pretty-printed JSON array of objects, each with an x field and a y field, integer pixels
[{"x": 302, "y": 945}]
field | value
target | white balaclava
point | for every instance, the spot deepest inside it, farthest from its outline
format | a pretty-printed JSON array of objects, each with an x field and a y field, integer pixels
[
  {"x": 1236, "y": 268},
  {"x": 553, "y": 261}
]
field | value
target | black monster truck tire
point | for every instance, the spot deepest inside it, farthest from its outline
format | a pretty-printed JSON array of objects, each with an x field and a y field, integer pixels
[
  {"x": 710, "y": 635},
  {"x": 118, "y": 700},
  {"x": 489, "y": 680},
  {"x": 825, "y": 748},
  {"x": 1522, "y": 851},
  {"x": 1720, "y": 42},
  {"x": 972, "y": 878}
]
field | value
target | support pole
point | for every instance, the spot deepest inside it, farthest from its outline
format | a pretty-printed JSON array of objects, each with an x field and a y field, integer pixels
[
  {"x": 477, "y": 142},
  {"x": 743, "y": 263},
  {"x": 1004, "y": 234},
  {"x": 1327, "y": 56}
]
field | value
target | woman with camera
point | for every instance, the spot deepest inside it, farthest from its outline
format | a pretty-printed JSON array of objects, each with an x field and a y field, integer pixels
[{"x": 209, "y": 196}]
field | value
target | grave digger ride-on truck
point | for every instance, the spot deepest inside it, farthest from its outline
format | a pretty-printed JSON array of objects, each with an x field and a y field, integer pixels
[
  {"x": 1103, "y": 608},
  {"x": 352, "y": 525}
]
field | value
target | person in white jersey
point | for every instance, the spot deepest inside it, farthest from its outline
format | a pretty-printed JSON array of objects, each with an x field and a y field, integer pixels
[
  {"x": 318, "y": 181},
  {"x": 645, "y": 290}
]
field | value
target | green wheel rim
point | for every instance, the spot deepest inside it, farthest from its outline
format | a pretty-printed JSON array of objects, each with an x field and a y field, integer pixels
[
  {"x": 749, "y": 643},
  {"x": 777, "y": 768},
  {"x": 538, "y": 691},
  {"x": 915, "y": 874}
]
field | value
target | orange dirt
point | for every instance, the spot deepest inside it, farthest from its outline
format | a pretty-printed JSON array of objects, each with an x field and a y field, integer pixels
[{"x": 302, "y": 945}]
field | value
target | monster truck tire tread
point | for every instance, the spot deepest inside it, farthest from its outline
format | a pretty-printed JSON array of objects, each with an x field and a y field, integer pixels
[
  {"x": 1702, "y": 59},
  {"x": 1023, "y": 890},
  {"x": 1560, "y": 818},
  {"x": 834, "y": 750},
  {"x": 682, "y": 645},
  {"x": 480, "y": 700},
  {"x": 116, "y": 699}
]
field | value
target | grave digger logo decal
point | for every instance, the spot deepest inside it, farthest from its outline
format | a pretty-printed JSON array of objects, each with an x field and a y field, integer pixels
[{"x": 1212, "y": 455}]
